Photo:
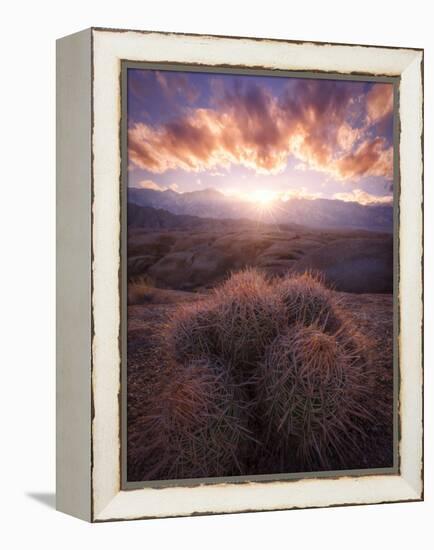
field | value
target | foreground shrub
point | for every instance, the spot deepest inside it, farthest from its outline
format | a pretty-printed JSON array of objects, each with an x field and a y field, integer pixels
[
  {"x": 196, "y": 425},
  {"x": 313, "y": 389},
  {"x": 192, "y": 331},
  {"x": 138, "y": 290},
  {"x": 235, "y": 323},
  {"x": 307, "y": 300},
  {"x": 275, "y": 360}
]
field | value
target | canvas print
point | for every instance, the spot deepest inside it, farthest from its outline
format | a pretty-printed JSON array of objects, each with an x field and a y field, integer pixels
[{"x": 259, "y": 273}]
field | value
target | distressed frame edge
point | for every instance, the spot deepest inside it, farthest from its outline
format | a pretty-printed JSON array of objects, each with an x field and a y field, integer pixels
[
  {"x": 73, "y": 275},
  {"x": 253, "y": 38},
  {"x": 410, "y": 492},
  {"x": 411, "y": 288}
]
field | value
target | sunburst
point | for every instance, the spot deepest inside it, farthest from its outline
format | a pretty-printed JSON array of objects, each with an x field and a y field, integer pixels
[{"x": 262, "y": 197}]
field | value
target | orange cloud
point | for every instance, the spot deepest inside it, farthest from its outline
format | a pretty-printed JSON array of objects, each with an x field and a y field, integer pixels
[
  {"x": 362, "y": 197},
  {"x": 301, "y": 193},
  {"x": 207, "y": 139},
  {"x": 371, "y": 158},
  {"x": 149, "y": 184},
  {"x": 379, "y": 102},
  {"x": 348, "y": 136},
  {"x": 250, "y": 127},
  {"x": 172, "y": 83}
]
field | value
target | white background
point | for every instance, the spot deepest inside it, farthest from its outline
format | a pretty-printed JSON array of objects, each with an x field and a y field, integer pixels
[{"x": 27, "y": 387}]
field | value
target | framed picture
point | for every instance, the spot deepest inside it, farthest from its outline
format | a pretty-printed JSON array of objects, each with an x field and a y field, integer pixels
[{"x": 239, "y": 267}]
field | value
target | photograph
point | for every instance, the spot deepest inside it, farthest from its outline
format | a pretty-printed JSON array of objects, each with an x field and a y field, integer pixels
[
  {"x": 221, "y": 211},
  {"x": 259, "y": 267}
]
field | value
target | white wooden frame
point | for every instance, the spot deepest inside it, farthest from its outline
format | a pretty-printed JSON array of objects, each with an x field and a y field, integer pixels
[{"x": 88, "y": 214}]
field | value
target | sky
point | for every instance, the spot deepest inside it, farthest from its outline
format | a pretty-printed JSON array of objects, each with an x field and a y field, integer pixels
[{"x": 260, "y": 136}]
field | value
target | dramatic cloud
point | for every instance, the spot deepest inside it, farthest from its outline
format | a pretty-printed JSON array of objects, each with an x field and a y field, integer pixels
[
  {"x": 156, "y": 96},
  {"x": 264, "y": 195},
  {"x": 173, "y": 83},
  {"x": 371, "y": 158},
  {"x": 379, "y": 102},
  {"x": 207, "y": 139},
  {"x": 362, "y": 197},
  {"x": 348, "y": 136},
  {"x": 149, "y": 184},
  {"x": 323, "y": 124},
  {"x": 301, "y": 193}
]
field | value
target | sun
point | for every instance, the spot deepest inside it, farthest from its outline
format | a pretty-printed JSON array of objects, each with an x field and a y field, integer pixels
[{"x": 262, "y": 197}]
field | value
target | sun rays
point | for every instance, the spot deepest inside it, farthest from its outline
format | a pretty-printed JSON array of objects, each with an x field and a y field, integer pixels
[{"x": 262, "y": 197}]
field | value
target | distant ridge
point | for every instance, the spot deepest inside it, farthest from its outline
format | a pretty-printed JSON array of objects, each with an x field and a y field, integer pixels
[
  {"x": 319, "y": 213},
  {"x": 147, "y": 217}
]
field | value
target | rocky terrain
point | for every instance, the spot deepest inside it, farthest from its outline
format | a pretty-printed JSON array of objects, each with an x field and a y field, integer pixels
[
  {"x": 175, "y": 259},
  {"x": 188, "y": 253}
]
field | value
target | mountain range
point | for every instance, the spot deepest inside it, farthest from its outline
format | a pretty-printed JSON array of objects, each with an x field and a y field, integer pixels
[{"x": 210, "y": 203}]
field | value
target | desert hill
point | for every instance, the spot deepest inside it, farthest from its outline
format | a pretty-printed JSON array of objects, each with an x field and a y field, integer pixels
[
  {"x": 146, "y": 217},
  {"x": 188, "y": 253}
]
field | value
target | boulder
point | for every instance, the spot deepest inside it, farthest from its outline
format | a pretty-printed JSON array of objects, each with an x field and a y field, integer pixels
[{"x": 353, "y": 265}]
